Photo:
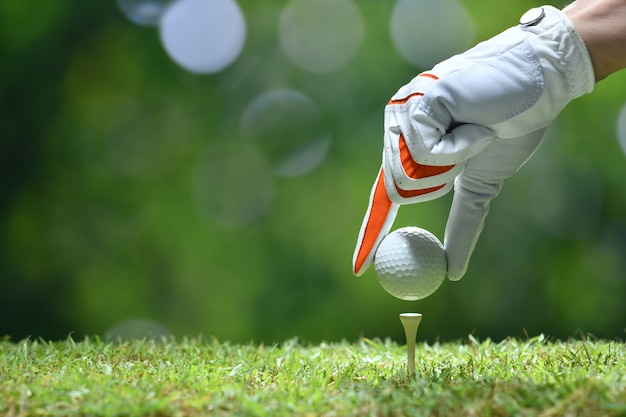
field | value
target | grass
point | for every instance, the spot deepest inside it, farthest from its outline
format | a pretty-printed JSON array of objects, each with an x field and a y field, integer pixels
[{"x": 196, "y": 377}]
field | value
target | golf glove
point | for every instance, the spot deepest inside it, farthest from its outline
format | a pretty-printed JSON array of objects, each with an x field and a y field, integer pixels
[{"x": 470, "y": 123}]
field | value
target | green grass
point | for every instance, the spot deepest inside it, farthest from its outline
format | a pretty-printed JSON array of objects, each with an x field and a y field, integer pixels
[{"x": 195, "y": 377}]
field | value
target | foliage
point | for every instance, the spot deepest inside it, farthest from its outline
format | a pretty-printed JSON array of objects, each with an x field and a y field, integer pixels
[{"x": 103, "y": 149}]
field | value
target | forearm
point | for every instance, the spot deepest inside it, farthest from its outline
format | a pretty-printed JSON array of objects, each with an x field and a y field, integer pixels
[{"x": 602, "y": 26}]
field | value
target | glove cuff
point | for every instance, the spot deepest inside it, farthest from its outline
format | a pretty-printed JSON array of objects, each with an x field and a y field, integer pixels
[{"x": 556, "y": 33}]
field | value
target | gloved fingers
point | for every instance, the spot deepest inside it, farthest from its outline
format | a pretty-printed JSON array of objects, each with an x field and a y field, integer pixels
[
  {"x": 415, "y": 88},
  {"x": 474, "y": 190},
  {"x": 431, "y": 144},
  {"x": 408, "y": 181},
  {"x": 431, "y": 135},
  {"x": 403, "y": 197},
  {"x": 408, "y": 168},
  {"x": 381, "y": 212},
  {"x": 415, "y": 173}
]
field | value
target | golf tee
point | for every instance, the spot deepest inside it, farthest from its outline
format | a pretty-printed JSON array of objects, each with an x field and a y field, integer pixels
[{"x": 410, "y": 323}]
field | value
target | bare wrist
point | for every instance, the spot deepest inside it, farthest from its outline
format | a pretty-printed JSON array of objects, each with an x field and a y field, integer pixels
[{"x": 602, "y": 26}]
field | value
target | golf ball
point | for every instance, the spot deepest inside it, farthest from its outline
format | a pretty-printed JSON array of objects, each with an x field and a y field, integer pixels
[{"x": 410, "y": 263}]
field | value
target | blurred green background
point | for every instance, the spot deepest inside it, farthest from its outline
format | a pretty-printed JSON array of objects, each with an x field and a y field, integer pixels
[{"x": 140, "y": 196}]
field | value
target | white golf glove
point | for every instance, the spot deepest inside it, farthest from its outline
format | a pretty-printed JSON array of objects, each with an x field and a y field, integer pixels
[{"x": 471, "y": 122}]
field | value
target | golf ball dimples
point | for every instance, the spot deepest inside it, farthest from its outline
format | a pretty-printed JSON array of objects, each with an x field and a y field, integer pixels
[{"x": 410, "y": 263}]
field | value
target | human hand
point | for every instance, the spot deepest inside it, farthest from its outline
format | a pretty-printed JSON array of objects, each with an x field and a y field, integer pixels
[{"x": 471, "y": 122}]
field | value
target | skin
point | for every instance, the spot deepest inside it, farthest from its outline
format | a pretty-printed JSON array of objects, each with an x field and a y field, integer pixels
[{"x": 600, "y": 24}]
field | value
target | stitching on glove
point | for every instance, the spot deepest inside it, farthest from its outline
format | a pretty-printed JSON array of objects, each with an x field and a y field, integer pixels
[
  {"x": 414, "y": 169},
  {"x": 416, "y": 94},
  {"x": 404, "y": 99}
]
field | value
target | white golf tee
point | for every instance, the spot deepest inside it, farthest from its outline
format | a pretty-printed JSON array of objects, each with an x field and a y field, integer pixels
[{"x": 410, "y": 322}]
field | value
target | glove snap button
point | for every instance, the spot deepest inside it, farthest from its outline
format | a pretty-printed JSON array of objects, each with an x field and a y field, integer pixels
[{"x": 532, "y": 17}]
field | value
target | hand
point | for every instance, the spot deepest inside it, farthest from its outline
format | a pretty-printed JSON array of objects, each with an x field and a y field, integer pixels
[{"x": 471, "y": 122}]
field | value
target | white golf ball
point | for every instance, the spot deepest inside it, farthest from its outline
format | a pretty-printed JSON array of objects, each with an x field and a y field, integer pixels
[{"x": 410, "y": 263}]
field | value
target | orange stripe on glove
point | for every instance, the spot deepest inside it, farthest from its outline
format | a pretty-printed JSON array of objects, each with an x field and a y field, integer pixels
[{"x": 379, "y": 218}]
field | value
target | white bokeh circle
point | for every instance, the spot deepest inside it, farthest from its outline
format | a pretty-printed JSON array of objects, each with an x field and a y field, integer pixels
[
  {"x": 286, "y": 126},
  {"x": 144, "y": 12},
  {"x": 203, "y": 36},
  {"x": 426, "y": 32},
  {"x": 322, "y": 35},
  {"x": 232, "y": 184}
]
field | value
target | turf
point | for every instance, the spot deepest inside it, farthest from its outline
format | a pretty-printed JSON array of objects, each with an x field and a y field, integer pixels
[{"x": 200, "y": 377}]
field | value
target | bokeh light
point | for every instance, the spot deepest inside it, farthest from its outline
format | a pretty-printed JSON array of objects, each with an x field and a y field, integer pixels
[
  {"x": 203, "y": 36},
  {"x": 132, "y": 187},
  {"x": 138, "y": 329},
  {"x": 426, "y": 32},
  {"x": 286, "y": 126},
  {"x": 144, "y": 12},
  {"x": 321, "y": 36},
  {"x": 621, "y": 128},
  {"x": 233, "y": 184},
  {"x": 566, "y": 198}
]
